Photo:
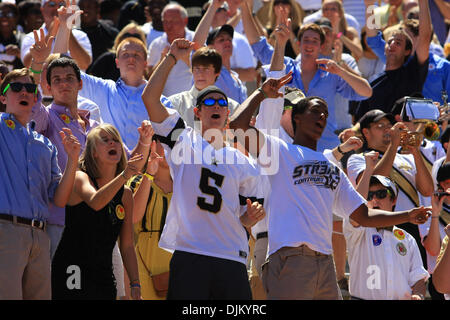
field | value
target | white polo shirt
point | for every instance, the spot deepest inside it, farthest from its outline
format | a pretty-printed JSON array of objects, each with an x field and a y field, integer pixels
[{"x": 384, "y": 265}]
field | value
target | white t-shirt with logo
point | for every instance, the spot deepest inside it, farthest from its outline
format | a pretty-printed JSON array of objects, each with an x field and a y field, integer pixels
[
  {"x": 305, "y": 192},
  {"x": 204, "y": 211}
]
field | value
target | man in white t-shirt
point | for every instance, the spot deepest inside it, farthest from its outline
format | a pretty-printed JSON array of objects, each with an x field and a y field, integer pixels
[
  {"x": 407, "y": 170},
  {"x": 205, "y": 222},
  {"x": 175, "y": 20},
  {"x": 306, "y": 190},
  {"x": 79, "y": 45},
  {"x": 385, "y": 263}
]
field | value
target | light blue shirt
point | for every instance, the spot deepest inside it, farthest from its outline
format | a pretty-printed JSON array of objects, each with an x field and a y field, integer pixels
[
  {"x": 231, "y": 85},
  {"x": 438, "y": 77},
  {"x": 324, "y": 85},
  {"x": 29, "y": 171},
  {"x": 120, "y": 105}
]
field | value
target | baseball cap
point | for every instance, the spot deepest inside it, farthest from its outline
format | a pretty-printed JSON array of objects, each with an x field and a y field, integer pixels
[
  {"x": 324, "y": 23},
  {"x": 374, "y": 116},
  {"x": 443, "y": 172},
  {"x": 207, "y": 91},
  {"x": 215, "y": 32},
  {"x": 292, "y": 98},
  {"x": 385, "y": 181}
]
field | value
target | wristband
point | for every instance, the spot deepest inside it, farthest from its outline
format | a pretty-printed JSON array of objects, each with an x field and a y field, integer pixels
[
  {"x": 144, "y": 144},
  {"x": 339, "y": 35},
  {"x": 171, "y": 55},
  {"x": 135, "y": 285},
  {"x": 123, "y": 175},
  {"x": 339, "y": 149},
  {"x": 35, "y": 71},
  {"x": 148, "y": 176},
  {"x": 264, "y": 94}
]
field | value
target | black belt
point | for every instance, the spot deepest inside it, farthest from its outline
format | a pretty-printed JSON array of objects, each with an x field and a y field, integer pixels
[
  {"x": 261, "y": 235},
  {"x": 31, "y": 222}
]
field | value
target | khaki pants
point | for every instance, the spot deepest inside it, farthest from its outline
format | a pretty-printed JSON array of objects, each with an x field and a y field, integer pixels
[
  {"x": 300, "y": 274},
  {"x": 24, "y": 263}
]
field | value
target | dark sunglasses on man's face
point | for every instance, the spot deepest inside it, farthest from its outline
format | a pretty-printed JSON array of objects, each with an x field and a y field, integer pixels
[
  {"x": 209, "y": 102},
  {"x": 7, "y": 14},
  {"x": 17, "y": 87},
  {"x": 380, "y": 194}
]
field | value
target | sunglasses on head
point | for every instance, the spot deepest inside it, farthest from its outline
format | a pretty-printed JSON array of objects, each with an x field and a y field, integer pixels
[
  {"x": 130, "y": 35},
  {"x": 380, "y": 194},
  {"x": 17, "y": 87},
  {"x": 209, "y": 102}
]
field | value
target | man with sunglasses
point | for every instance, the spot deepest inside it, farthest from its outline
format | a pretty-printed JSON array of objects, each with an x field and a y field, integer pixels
[
  {"x": 30, "y": 180},
  {"x": 204, "y": 224},
  {"x": 79, "y": 44},
  {"x": 385, "y": 263},
  {"x": 407, "y": 170}
]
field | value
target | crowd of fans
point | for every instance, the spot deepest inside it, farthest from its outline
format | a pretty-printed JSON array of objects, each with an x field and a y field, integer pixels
[{"x": 239, "y": 149}]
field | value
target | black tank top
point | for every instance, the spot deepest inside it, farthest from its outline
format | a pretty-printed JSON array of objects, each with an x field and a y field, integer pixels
[{"x": 88, "y": 241}]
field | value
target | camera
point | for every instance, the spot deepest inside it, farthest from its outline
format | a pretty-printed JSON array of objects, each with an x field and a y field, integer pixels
[{"x": 441, "y": 194}]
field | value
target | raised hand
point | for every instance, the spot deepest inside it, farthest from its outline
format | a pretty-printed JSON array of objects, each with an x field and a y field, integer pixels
[
  {"x": 181, "y": 49},
  {"x": 282, "y": 32},
  {"x": 146, "y": 133},
  {"x": 371, "y": 160},
  {"x": 41, "y": 48},
  {"x": 153, "y": 160},
  {"x": 353, "y": 143},
  {"x": 71, "y": 144},
  {"x": 419, "y": 215},
  {"x": 329, "y": 66},
  {"x": 272, "y": 86},
  {"x": 255, "y": 211},
  {"x": 68, "y": 15},
  {"x": 132, "y": 167}
]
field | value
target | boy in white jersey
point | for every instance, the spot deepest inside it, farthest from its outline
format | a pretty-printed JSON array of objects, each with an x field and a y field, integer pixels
[
  {"x": 306, "y": 190},
  {"x": 204, "y": 225},
  {"x": 385, "y": 263}
]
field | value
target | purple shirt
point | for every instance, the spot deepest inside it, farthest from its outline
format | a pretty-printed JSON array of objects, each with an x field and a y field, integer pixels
[{"x": 49, "y": 122}]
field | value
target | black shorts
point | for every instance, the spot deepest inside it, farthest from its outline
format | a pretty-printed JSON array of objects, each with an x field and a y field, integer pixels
[{"x": 198, "y": 277}]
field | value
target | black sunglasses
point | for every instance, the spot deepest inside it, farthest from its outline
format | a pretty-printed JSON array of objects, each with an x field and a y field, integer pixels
[
  {"x": 209, "y": 102},
  {"x": 17, "y": 87},
  {"x": 133, "y": 35},
  {"x": 7, "y": 14},
  {"x": 380, "y": 194}
]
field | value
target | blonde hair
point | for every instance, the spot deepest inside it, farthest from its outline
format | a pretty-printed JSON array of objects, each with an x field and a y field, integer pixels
[
  {"x": 343, "y": 26},
  {"x": 122, "y": 34},
  {"x": 296, "y": 15},
  {"x": 88, "y": 163},
  {"x": 132, "y": 40}
]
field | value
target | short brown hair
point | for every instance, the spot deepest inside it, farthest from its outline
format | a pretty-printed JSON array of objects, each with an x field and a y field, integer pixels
[
  {"x": 206, "y": 56},
  {"x": 14, "y": 74},
  {"x": 313, "y": 27}
]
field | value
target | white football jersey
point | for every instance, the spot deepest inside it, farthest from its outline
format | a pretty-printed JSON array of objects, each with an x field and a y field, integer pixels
[{"x": 203, "y": 215}]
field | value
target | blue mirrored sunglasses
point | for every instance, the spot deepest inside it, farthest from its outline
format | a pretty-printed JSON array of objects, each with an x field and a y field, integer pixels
[{"x": 209, "y": 102}]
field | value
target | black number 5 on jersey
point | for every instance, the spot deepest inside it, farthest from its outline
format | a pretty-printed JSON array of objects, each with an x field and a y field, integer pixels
[{"x": 216, "y": 204}]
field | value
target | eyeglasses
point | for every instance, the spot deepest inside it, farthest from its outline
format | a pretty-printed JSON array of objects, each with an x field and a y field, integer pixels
[
  {"x": 383, "y": 126},
  {"x": 17, "y": 87},
  {"x": 7, "y": 14},
  {"x": 380, "y": 194},
  {"x": 54, "y": 4},
  {"x": 209, "y": 102}
]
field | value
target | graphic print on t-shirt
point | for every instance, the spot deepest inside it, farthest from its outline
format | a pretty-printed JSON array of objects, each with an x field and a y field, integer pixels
[{"x": 318, "y": 173}]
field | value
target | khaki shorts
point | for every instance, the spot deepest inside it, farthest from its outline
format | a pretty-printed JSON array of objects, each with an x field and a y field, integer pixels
[
  {"x": 300, "y": 274},
  {"x": 24, "y": 263}
]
